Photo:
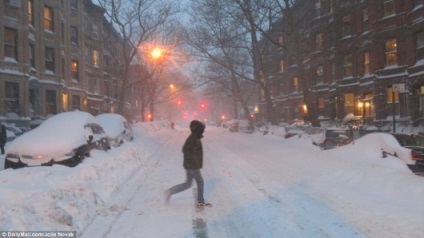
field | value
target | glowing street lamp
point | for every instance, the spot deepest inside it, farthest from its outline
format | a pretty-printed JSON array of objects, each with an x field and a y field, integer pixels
[{"x": 156, "y": 53}]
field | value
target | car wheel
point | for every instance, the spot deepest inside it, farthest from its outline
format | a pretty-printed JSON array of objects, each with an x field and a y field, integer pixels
[
  {"x": 77, "y": 159},
  {"x": 384, "y": 154},
  {"x": 106, "y": 147},
  {"x": 326, "y": 146}
]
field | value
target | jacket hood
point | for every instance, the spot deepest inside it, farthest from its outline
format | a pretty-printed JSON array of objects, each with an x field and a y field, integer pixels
[{"x": 197, "y": 128}]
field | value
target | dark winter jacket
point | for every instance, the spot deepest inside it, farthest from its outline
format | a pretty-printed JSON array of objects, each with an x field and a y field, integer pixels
[
  {"x": 3, "y": 135},
  {"x": 192, "y": 149}
]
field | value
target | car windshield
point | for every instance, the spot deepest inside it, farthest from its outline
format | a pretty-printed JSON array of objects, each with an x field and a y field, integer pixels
[
  {"x": 410, "y": 140},
  {"x": 335, "y": 134}
]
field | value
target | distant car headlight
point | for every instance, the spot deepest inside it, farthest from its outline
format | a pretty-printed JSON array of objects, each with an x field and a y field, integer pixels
[{"x": 39, "y": 157}]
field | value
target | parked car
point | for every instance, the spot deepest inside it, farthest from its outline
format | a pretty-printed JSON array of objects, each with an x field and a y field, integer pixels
[
  {"x": 10, "y": 135},
  {"x": 290, "y": 132},
  {"x": 242, "y": 126},
  {"x": 66, "y": 138},
  {"x": 327, "y": 138},
  {"x": 36, "y": 121},
  {"x": 11, "y": 127},
  {"x": 116, "y": 127},
  {"x": 407, "y": 147}
]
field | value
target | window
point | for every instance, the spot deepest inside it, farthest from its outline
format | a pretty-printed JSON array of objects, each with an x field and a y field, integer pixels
[
  {"x": 365, "y": 14},
  {"x": 347, "y": 66},
  {"x": 281, "y": 40},
  {"x": 349, "y": 103},
  {"x": 65, "y": 100},
  {"x": 74, "y": 35},
  {"x": 32, "y": 55},
  {"x": 295, "y": 84},
  {"x": 282, "y": 65},
  {"x": 321, "y": 102},
  {"x": 76, "y": 102},
  {"x": 349, "y": 99},
  {"x": 74, "y": 70},
  {"x": 319, "y": 74},
  {"x": 96, "y": 58},
  {"x": 62, "y": 32},
  {"x": 347, "y": 26},
  {"x": 391, "y": 52},
  {"x": 30, "y": 12},
  {"x": 51, "y": 102},
  {"x": 318, "y": 41},
  {"x": 62, "y": 61},
  {"x": 389, "y": 7},
  {"x": 10, "y": 43},
  {"x": 390, "y": 95},
  {"x": 419, "y": 45},
  {"x": 366, "y": 62},
  {"x": 318, "y": 8},
  {"x": 12, "y": 97},
  {"x": 95, "y": 31},
  {"x": 94, "y": 85},
  {"x": 365, "y": 27},
  {"x": 74, "y": 4},
  {"x": 50, "y": 59},
  {"x": 48, "y": 19}
]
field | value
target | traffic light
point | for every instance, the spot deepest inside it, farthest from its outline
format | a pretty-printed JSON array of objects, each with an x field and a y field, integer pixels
[
  {"x": 149, "y": 116},
  {"x": 202, "y": 106},
  {"x": 179, "y": 102}
]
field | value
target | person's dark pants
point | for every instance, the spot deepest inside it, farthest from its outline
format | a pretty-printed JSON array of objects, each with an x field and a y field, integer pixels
[
  {"x": 2, "y": 149},
  {"x": 191, "y": 174}
]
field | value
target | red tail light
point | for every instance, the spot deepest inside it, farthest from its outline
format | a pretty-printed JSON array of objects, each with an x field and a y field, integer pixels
[
  {"x": 328, "y": 140},
  {"x": 416, "y": 156}
]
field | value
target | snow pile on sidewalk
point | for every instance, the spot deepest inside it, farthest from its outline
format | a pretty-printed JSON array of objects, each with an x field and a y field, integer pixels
[{"x": 65, "y": 199}]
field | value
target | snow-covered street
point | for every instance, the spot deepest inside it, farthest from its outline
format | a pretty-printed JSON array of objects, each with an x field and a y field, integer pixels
[{"x": 260, "y": 186}]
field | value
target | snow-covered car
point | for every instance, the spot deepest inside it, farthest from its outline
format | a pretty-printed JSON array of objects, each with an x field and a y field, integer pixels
[
  {"x": 407, "y": 147},
  {"x": 241, "y": 126},
  {"x": 327, "y": 138},
  {"x": 66, "y": 138},
  {"x": 11, "y": 127},
  {"x": 10, "y": 135},
  {"x": 290, "y": 132},
  {"x": 36, "y": 121},
  {"x": 116, "y": 127}
]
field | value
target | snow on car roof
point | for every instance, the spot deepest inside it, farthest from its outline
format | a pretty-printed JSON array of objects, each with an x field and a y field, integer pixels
[
  {"x": 112, "y": 123},
  {"x": 60, "y": 133}
]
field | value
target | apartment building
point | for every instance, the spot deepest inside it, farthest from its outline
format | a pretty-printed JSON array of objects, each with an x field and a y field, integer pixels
[
  {"x": 55, "y": 56},
  {"x": 359, "y": 57}
]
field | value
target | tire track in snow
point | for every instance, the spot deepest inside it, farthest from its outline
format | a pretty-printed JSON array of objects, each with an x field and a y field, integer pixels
[
  {"x": 302, "y": 212},
  {"x": 103, "y": 223}
]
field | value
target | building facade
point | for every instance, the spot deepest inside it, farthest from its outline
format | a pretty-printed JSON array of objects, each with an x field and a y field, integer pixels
[
  {"x": 359, "y": 57},
  {"x": 55, "y": 57}
]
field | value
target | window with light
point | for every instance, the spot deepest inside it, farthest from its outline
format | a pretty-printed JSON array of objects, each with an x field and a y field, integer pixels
[{"x": 391, "y": 52}]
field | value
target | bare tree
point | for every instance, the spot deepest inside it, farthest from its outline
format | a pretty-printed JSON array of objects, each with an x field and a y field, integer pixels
[
  {"x": 288, "y": 18},
  {"x": 224, "y": 46},
  {"x": 138, "y": 22}
]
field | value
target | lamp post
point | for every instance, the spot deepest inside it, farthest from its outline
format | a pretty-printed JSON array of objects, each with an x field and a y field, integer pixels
[{"x": 155, "y": 56}]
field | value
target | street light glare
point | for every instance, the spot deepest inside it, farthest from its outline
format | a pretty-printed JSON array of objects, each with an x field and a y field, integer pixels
[{"x": 156, "y": 53}]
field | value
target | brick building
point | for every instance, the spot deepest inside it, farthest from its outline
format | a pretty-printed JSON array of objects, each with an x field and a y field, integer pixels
[
  {"x": 55, "y": 57},
  {"x": 360, "y": 57}
]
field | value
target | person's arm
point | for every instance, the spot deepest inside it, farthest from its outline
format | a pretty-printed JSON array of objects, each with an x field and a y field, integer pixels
[{"x": 188, "y": 145}]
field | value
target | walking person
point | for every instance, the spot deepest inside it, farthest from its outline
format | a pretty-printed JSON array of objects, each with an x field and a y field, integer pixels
[
  {"x": 3, "y": 138},
  {"x": 193, "y": 162}
]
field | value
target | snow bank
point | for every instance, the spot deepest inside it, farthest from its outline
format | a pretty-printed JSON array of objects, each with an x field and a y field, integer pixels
[{"x": 63, "y": 198}]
